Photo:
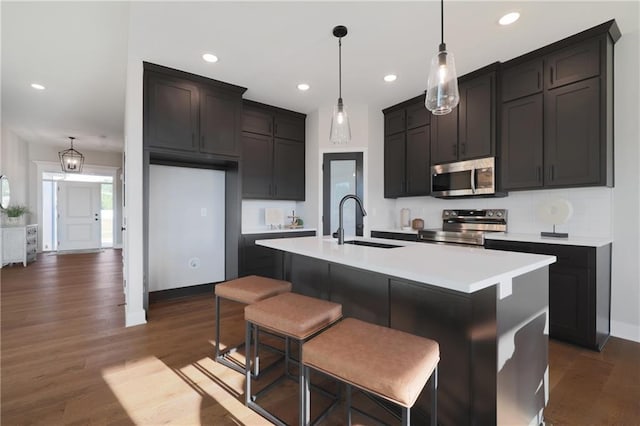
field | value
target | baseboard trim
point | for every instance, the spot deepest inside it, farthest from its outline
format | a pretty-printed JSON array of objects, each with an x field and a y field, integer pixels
[
  {"x": 177, "y": 293},
  {"x": 625, "y": 330},
  {"x": 135, "y": 318}
]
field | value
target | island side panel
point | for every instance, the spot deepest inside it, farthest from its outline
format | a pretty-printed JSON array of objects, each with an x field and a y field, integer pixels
[{"x": 523, "y": 348}]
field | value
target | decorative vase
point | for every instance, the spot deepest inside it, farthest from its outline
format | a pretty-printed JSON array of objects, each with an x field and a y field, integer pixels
[{"x": 15, "y": 220}]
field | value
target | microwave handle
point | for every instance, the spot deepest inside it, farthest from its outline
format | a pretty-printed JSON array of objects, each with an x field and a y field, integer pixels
[{"x": 473, "y": 180}]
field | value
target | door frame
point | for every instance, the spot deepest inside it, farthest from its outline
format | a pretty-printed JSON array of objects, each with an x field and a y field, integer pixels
[
  {"x": 326, "y": 183},
  {"x": 54, "y": 167}
]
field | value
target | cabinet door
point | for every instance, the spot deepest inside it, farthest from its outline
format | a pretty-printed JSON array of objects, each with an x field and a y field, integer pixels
[
  {"x": 522, "y": 143},
  {"x": 394, "y": 165},
  {"x": 288, "y": 170},
  {"x": 257, "y": 166},
  {"x": 573, "y": 64},
  {"x": 476, "y": 129},
  {"x": 418, "y": 164},
  {"x": 394, "y": 122},
  {"x": 258, "y": 260},
  {"x": 572, "y": 137},
  {"x": 220, "y": 116},
  {"x": 172, "y": 113},
  {"x": 289, "y": 127},
  {"x": 417, "y": 115},
  {"x": 522, "y": 80},
  {"x": 444, "y": 137},
  {"x": 255, "y": 121},
  {"x": 568, "y": 303},
  {"x": 348, "y": 285}
]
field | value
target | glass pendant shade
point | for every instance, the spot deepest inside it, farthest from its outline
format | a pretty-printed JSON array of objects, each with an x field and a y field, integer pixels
[
  {"x": 340, "y": 128},
  {"x": 442, "y": 86}
]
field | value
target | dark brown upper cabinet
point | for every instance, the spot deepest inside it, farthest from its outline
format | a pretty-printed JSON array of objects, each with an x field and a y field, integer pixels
[
  {"x": 172, "y": 113},
  {"x": 407, "y": 149},
  {"x": 190, "y": 115},
  {"x": 560, "y": 134},
  {"x": 273, "y": 153},
  {"x": 469, "y": 131}
]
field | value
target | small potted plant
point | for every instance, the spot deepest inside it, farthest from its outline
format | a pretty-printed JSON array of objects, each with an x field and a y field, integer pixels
[{"x": 15, "y": 214}]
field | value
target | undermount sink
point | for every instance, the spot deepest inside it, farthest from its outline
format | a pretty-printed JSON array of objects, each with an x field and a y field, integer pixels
[{"x": 371, "y": 244}]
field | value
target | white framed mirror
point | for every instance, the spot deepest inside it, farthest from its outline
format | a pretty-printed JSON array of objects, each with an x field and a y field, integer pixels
[{"x": 5, "y": 192}]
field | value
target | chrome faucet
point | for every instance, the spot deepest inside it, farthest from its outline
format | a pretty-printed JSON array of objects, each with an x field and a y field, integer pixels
[{"x": 340, "y": 231}]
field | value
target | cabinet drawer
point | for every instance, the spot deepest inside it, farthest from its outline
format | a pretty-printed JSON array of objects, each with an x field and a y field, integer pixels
[
  {"x": 417, "y": 115},
  {"x": 257, "y": 122},
  {"x": 394, "y": 122},
  {"x": 521, "y": 80},
  {"x": 573, "y": 64}
]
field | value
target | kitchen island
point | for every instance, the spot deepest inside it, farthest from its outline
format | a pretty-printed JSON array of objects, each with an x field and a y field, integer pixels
[{"x": 487, "y": 309}]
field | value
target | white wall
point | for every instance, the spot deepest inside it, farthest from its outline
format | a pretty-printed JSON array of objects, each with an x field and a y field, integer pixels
[
  {"x": 179, "y": 218},
  {"x": 253, "y": 213}
]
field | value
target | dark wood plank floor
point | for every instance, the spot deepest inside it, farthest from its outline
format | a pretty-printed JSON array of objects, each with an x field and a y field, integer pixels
[{"x": 66, "y": 358}]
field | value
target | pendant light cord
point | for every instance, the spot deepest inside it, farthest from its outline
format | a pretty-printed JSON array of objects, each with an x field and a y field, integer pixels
[
  {"x": 340, "y": 67},
  {"x": 441, "y": 21}
]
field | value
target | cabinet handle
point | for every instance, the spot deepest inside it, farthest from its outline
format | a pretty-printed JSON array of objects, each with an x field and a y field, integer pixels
[
  {"x": 464, "y": 148},
  {"x": 551, "y": 173}
]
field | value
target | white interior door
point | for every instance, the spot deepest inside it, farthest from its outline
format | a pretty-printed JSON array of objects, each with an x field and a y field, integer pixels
[{"x": 79, "y": 221}]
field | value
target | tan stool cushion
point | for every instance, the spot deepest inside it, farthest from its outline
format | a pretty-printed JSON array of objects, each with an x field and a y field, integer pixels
[
  {"x": 390, "y": 363},
  {"x": 251, "y": 289},
  {"x": 293, "y": 314}
]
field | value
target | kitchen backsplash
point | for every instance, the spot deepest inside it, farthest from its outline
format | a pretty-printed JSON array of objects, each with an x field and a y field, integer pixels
[
  {"x": 253, "y": 212},
  {"x": 592, "y": 210}
]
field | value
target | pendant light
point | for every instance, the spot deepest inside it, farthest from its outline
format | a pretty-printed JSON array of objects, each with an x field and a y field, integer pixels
[
  {"x": 442, "y": 86},
  {"x": 70, "y": 159},
  {"x": 340, "y": 129}
]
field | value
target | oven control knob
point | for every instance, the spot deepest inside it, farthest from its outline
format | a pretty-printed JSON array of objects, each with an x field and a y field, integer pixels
[
  {"x": 453, "y": 213},
  {"x": 490, "y": 213},
  {"x": 499, "y": 214},
  {"x": 447, "y": 213}
]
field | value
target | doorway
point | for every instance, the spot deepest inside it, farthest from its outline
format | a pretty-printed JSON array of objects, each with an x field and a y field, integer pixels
[
  {"x": 342, "y": 175},
  {"x": 77, "y": 211}
]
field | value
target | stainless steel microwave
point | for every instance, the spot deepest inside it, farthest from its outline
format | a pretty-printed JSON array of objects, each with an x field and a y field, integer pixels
[{"x": 465, "y": 178}]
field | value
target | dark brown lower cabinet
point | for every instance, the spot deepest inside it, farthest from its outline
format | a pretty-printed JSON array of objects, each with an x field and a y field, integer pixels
[
  {"x": 263, "y": 261},
  {"x": 579, "y": 290}
]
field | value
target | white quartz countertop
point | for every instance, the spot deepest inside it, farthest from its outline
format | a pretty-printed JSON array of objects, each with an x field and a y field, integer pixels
[
  {"x": 275, "y": 231},
  {"x": 464, "y": 269},
  {"x": 536, "y": 238}
]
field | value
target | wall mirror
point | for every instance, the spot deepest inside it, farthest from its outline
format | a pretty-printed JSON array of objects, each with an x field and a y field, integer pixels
[{"x": 5, "y": 192}]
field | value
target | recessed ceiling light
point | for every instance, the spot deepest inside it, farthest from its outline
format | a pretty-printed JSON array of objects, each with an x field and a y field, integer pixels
[
  {"x": 509, "y": 18},
  {"x": 303, "y": 86},
  {"x": 210, "y": 57},
  {"x": 390, "y": 77},
  {"x": 37, "y": 86}
]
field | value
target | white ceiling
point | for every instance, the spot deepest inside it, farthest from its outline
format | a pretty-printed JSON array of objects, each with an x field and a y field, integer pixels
[{"x": 79, "y": 52}]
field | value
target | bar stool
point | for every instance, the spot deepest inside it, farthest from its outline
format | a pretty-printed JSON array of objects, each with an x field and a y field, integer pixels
[
  {"x": 295, "y": 317},
  {"x": 245, "y": 290},
  {"x": 387, "y": 363}
]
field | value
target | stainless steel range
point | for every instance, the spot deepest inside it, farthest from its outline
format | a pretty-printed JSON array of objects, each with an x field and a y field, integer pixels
[{"x": 466, "y": 226}]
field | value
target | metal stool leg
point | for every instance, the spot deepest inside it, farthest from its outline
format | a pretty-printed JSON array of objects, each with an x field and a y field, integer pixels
[
  {"x": 434, "y": 397},
  {"x": 217, "y": 328},
  {"x": 247, "y": 368},
  {"x": 348, "y": 403},
  {"x": 406, "y": 416}
]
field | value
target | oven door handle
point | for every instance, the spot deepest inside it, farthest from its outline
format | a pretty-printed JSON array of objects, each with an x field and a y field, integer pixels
[{"x": 473, "y": 180}]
